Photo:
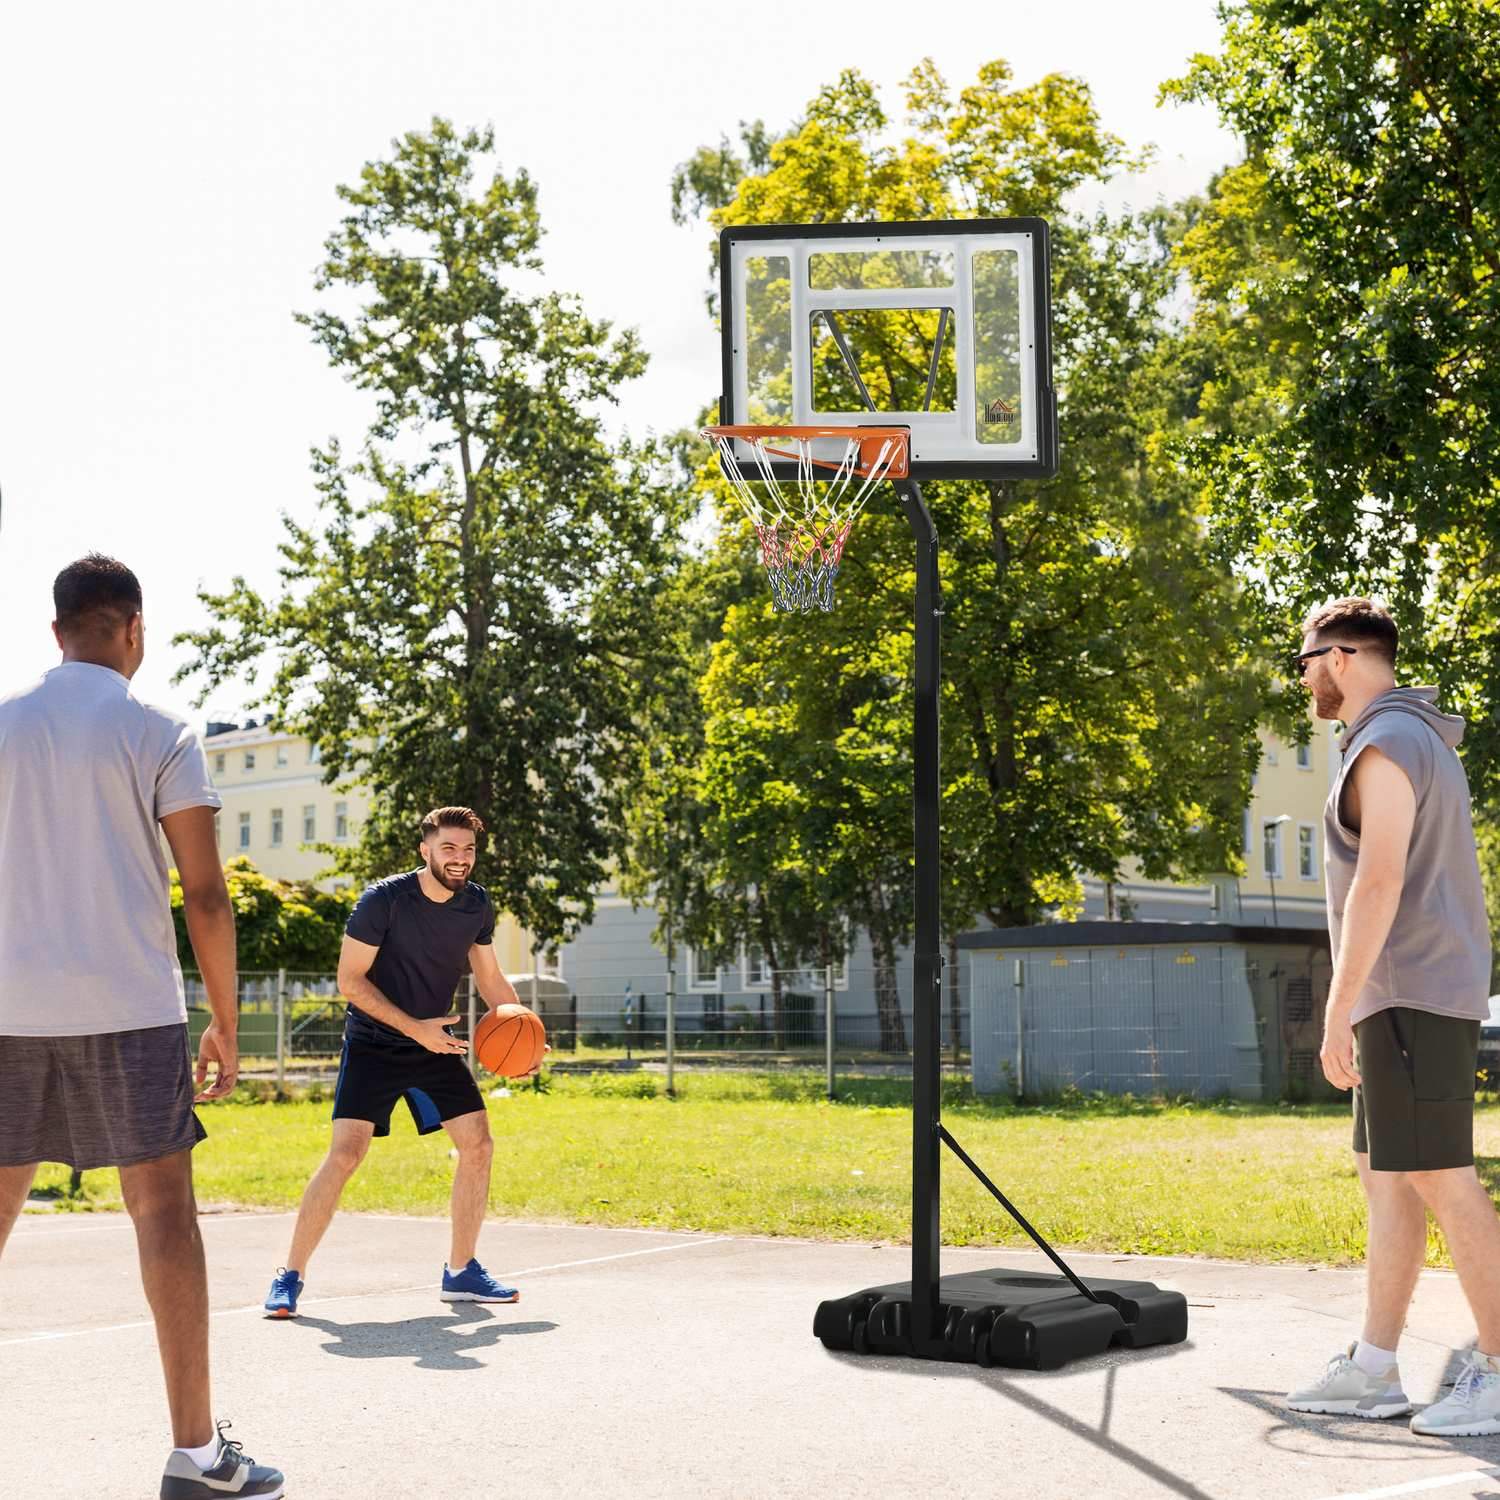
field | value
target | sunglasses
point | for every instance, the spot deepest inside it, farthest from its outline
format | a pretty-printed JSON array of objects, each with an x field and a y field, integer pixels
[{"x": 1299, "y": 663}]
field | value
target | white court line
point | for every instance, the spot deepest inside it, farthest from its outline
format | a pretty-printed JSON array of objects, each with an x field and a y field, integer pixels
[
  {"x": 396, "y": 1291},
  {"x": 1416, "y": 1486}
]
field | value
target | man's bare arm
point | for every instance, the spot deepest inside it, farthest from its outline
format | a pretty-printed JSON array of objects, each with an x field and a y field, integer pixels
[
  {"x": 494, "y": 988},
  {"x": 1388, "y": 809},
  {"x": 210, "y": 923},
  {"x": 356, "y": 986}
]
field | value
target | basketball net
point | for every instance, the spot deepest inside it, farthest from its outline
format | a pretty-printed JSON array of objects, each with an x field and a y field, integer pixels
[{"x": 803, "y": 523}]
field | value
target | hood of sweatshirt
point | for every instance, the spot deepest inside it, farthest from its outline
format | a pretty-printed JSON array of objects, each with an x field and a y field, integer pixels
[{"x": 1418, "y": 701}]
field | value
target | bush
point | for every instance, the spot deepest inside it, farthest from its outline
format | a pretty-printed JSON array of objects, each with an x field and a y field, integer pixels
[{"x": 278, "y": 924}]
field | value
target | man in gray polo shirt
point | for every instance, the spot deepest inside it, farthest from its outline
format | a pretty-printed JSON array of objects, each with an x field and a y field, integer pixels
[
  {"x": 1410, "y": 986},
  {"x": 94, "y": 1063}
]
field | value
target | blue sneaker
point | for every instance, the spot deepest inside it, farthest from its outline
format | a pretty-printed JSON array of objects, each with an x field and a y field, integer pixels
[
  {"x": 475, "y": 1284},
  {"x": 286, "y": 1287}
]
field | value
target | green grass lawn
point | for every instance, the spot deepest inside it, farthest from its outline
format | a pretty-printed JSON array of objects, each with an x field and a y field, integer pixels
[{"x": 767, "y": 1154}]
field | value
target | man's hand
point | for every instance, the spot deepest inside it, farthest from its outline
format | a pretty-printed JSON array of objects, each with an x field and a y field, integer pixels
[
  {"x": 546, "y": 1048},
  {"x": 219, "y": 1050},
  {"x": 1337, "y": 1056},
  {"x": 434, "y": 1036}
]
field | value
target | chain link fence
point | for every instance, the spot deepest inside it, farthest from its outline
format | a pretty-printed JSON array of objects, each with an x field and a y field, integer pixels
[{"x": 291, "y": 1024}]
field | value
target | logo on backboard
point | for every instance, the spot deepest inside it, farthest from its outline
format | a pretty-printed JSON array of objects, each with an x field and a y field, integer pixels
[{"x": 1000, "y": 410}]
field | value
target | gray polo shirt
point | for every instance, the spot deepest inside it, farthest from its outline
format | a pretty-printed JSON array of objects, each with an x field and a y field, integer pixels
[
  {"x": 87, "y": 772},
  {"x": 1437, "y": 957}
]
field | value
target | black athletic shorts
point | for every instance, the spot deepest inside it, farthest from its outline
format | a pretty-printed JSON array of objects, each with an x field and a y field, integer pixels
[
  {"x": 437, "y": 1086},
  {"x": 1414, "y": 1107}
]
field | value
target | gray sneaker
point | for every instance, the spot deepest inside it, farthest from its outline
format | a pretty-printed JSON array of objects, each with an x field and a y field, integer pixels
[
  {"x": 1472, "y": 1410},
  {"x": 231, "y": 1473},
  {"x": 1345, "y": 1390}
]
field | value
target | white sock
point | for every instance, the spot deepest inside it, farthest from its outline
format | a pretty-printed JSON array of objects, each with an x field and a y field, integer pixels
[
  {"x": 1373, "y": 1361},
  {"x": 204, "y": 1457}
]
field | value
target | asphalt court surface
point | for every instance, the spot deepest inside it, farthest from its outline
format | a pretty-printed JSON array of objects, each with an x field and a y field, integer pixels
[{"x": 640, "y": 1363}]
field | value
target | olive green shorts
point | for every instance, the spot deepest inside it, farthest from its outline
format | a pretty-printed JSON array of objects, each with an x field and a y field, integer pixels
[{"x": 1414, "y": 1107}]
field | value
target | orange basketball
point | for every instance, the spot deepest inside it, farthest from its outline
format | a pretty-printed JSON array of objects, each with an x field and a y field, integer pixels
[{"x": 509, "y": 1041}]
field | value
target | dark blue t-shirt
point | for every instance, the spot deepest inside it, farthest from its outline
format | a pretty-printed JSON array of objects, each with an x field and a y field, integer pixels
[{"x": 424, "y": 948}]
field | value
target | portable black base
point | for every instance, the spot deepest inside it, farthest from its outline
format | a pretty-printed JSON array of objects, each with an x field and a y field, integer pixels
[{"x": 1016, "y": 1318}]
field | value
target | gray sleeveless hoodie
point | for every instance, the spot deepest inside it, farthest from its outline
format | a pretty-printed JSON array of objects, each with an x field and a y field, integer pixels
[{"x": 1437, "y": 957}]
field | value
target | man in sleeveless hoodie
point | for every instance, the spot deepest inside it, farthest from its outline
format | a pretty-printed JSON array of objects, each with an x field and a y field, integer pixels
[{"x": 1411, "y": 972}]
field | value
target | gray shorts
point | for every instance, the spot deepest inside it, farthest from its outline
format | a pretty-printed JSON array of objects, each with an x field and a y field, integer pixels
[{"x": 96, "y": 1101}]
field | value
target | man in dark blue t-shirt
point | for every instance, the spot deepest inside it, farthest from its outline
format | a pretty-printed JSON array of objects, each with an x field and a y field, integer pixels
[{"x": 408, "y": 942}]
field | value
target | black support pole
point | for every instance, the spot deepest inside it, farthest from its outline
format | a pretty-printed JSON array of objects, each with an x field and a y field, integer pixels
[{"x": 927, "y": 977}]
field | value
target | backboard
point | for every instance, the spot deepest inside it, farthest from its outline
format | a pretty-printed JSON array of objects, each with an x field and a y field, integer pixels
[{"x": 943, "y": 327}]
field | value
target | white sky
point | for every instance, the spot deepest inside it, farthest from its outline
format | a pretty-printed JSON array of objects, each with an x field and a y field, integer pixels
[{"x": 167, "y": 175}]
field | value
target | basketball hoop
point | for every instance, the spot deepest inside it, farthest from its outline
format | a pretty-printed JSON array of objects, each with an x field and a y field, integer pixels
[{"x": 803, "y": 524}]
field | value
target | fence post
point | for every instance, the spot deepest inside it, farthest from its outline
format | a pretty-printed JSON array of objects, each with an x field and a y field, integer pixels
[
  {"x": 1020, "y": 1030},
  {"x": 472, "y": 1060},
  {"x": 828, "y": 1023},
  {"x": 280, "y": 1029},
  {"x": 671, "y": 1030}
]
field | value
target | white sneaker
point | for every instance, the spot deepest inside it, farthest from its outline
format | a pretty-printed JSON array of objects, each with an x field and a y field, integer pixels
[
  {"x": 1345, "y": 1390},
  {"x": 1473, "y": 1410}
]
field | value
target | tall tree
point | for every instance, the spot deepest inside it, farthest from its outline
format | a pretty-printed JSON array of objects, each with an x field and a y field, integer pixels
[
  {"x": 1099, "y": 700},
  {"x": 1366, "y": 223},
  {"x": 471, "y": 617}
]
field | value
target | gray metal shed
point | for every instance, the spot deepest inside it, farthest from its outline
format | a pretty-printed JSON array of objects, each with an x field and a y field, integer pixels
[{"x": 1198, "y": 1008}]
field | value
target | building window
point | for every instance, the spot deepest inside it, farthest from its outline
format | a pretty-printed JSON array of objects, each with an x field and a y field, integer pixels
[
  {"x": 341, "y": 822},
  {"x": 1271, "y": 849},
  {"x": 281, "y": 756},
  {"x": 1307, "y": 851},
  {"x": 276, "y": 822},
  {"x": 1304, "y": 758},
  {"x": 1248, "y": 849},
  {"x": 314, "y": 755},
  {"x": 244, "y": 830},
  {"x": 309, "y": 824},
  {"x": 702, "y": 971},
  {"x": 1270, "y": 757},
  {"x": 219, "y": 760},
  {"x": 754, "y": 970},
  {"x": 249, "y": 760}
]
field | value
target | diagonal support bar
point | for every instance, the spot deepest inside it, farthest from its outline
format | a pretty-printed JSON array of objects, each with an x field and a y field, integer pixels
[
  {"x": 847, "y": 355},
  {"x": 1013, "y": 1211},
  {"x": 937, "y": 356}
]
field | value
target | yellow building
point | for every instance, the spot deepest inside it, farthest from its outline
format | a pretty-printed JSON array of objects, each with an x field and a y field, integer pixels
[
  {"x": 1282, "y": 833},
  {"x": 277, "y": 808}
]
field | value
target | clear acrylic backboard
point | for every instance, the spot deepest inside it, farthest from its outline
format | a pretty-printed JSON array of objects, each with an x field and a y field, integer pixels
[{"x": 942, "y": 327}]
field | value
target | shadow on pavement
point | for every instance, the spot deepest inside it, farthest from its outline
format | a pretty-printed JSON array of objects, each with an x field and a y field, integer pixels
[
  {"x": 436, "y": 1343},
  {"x": 1019, "y": 1386}
]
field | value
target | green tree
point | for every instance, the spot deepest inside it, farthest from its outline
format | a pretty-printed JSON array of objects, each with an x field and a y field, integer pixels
[
  {"x": 470, "y": 620},
  {"x": 278, "y": 924},
  {"x": 1365, "y": 227},
  {"x": 1100, "y": 695}
]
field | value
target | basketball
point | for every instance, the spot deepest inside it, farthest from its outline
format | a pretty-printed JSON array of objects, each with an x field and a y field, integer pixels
[{"x": 509, "y": 1041}]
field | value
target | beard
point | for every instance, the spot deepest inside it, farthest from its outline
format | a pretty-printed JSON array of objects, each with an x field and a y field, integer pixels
[
  {"x": 454, "y": 882},
  {"x": 1327, "y": 699}
]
